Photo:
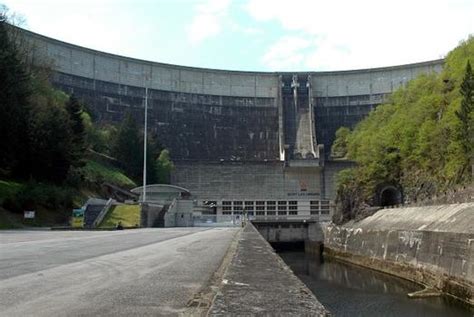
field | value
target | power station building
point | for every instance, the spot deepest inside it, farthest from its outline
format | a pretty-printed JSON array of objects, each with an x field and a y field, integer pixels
[{"x": 241, "y": 141}]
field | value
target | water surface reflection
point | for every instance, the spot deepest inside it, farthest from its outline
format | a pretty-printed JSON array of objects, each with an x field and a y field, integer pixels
[{"x": 348, "y": 290}]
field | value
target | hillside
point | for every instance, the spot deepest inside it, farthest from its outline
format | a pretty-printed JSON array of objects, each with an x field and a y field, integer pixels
[
  {"x": 53, "y": 203},
  {"x": 421, "y": 141}
]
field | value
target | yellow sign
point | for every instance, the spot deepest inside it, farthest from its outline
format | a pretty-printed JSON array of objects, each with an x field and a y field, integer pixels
[{"x": 77, "y": 218}]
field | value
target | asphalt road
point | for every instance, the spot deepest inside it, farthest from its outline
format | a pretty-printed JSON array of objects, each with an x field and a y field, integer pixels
[{"x": 145, "y": 272}]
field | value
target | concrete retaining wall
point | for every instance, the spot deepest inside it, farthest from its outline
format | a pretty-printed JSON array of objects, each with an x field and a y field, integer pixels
[
  {"x": 258, "y": 283},
  {"x": 149, "y": 214},
  {"x": 431, "y": 245},
  {"x": 291, "y": 232}
]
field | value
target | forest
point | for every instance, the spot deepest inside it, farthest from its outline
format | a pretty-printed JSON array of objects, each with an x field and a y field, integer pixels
[{"x": 53, "y": 154}]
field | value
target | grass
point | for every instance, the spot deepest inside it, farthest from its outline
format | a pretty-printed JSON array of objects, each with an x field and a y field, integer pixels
[
  {"x": 9, "y": 189},
  {"x": 9, "y": 220},
  {"x": 96, "y": 172},
  {"x": 128, "y": 215},
  {"x": 53, "y": 203}
]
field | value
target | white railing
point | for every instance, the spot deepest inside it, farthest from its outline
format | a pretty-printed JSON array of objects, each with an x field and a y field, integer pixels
[{"x": 217, "y": 220}]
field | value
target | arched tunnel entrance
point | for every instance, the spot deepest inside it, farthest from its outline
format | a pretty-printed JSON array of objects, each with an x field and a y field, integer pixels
[{"x": 390, "y": 196}]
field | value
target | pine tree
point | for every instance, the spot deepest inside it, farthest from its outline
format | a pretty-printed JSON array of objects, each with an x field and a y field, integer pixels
[
  {"x": 14, "y": 107},
  {"x": 128, "y": 147},
  {"x": 50, "y": 137},
  {"x": 75, "y": 111}
]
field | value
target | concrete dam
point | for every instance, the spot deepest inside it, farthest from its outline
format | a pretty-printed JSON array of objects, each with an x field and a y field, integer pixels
[
  {"x": 253, "y": 142},
  {"x": 257, "y": 145}
]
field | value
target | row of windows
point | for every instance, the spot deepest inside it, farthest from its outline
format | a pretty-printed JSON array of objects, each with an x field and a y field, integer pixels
[
  {"x": 274, "y": 213},
  {"x": 270, "y": 202},
  {"x": 261, "y": 208}
]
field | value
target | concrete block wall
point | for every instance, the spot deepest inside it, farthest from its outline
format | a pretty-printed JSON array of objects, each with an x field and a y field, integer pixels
[
  {"x": 431, "y": 245},
  {"x": 247, "y": 180}
]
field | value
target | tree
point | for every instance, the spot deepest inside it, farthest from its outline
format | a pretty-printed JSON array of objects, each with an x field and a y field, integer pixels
[
  {"x": 128, "y": 147},
  {"x": 164, "y": 167},
  {"x": 75, "y": 111},
  {"x": 50, "y": 135},
  {"x": 339, "y": 147},
  {"x": 465, "y": 115},
  {"x": 14, "y": 107}
]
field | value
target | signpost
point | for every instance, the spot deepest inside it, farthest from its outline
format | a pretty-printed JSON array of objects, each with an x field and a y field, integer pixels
[
  {"x": 77, "y": 218},
  {"x": 29, "y": 214}
]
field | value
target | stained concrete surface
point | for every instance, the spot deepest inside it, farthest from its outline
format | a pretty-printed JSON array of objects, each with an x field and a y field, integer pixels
[
  {"x": 432, "y": 245},
  {"x": 258, "y": 283},
  {"x": 123, "y": 273}
]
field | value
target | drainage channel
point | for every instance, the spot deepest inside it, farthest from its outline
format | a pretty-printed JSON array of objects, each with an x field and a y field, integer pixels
[{"x": 349, "y": 290}]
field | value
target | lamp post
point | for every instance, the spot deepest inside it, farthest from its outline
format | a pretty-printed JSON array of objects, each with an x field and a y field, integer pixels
[{"x": 145, "y": 146}]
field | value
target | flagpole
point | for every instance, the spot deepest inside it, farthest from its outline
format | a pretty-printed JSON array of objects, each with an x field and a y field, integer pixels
[{"x": 145, "y": 145}]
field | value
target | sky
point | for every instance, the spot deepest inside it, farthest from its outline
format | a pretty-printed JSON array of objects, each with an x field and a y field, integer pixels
[{"x": 257, "y": 35}]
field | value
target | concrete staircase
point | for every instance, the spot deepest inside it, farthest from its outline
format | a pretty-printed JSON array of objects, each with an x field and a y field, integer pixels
[{"x": 92, "y": 209}]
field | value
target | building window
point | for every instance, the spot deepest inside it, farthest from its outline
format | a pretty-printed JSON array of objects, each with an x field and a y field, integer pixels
[
  {"x": 314, "y": 202},
  {"x": 260, "y": 203},
  {"x": 270, "y": 213},
  {"x": 237, "y": 203},
  {"x": 238, "y": 208},
  {"x": 260, "y": 207},
  {"x": 325, "y": 212},
  {"x": 314, "y": 212},
  {"x": 271, "y": 203},
  {"x": 293, "y": 212},
  {"x": 271, "y": 207},
  {"x": 281, "y": 207},
  {"x": 293, "y": 207},
  {"x": 260, "y": 213},
  {"x": 282, "y": 213},
  {"x": 249, "y": 203},
  {"x": 225, "y": 208},
  {"x": 226, "y": 203},
  {"x": 281, "y": 202},
  {"x": 227, "y": 213},
  {"x": 293, "y": 202}
]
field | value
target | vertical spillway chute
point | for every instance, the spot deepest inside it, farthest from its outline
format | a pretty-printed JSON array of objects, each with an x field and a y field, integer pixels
[{"x": 296, "y": 97}]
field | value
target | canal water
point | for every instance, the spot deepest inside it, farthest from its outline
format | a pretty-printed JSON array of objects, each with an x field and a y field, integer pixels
[{"x": 348, "y": 290}]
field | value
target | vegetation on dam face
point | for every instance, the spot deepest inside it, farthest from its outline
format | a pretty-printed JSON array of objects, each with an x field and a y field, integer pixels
[
  {"x": 421, "y": 140},
  {"x": 53, "y": 155}
]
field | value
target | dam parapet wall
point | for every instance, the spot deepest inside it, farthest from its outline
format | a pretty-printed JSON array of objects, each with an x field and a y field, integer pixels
[{"x": 431, "y": 245}]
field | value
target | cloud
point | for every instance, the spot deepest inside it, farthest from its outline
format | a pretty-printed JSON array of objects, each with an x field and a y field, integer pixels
[
  {"x": 366, "y": 33},
  {"x": 208, "y": 20},
  {"x": 286, "y": 54}
]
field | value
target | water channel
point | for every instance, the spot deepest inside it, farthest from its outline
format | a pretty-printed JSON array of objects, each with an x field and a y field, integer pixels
[{"x": 348, "y": 290}]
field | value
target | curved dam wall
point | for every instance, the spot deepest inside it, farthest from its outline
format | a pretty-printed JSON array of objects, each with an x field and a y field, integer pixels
[
  {"x": 208, "y": 116},
  {"x": 432, "y": 245},
  {"x": 211, "y": 114}
]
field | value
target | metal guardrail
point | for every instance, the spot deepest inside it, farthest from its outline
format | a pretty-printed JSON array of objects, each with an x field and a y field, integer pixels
[
  {"x": 236, "y": 220},
  {"x": 291, "y": 218}
]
